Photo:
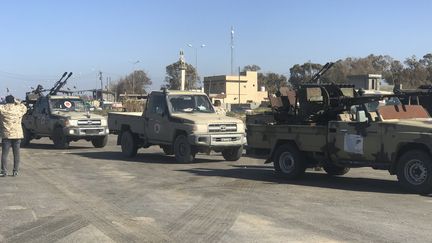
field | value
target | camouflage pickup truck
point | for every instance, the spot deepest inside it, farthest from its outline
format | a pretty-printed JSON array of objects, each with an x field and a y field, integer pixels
[
  {"x": 182, "y": 123},
  {"x": 397, "y": 138},
  {"x": 63, "y": 119}
]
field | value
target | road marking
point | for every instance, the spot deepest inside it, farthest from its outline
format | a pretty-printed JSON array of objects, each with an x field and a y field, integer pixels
[{"x": 15, "y": 207}]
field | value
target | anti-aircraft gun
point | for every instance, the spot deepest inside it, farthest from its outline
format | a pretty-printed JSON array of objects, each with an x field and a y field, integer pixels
[
  {"x": 31, "y": 97},
  {"x": 315, "y": 102}
]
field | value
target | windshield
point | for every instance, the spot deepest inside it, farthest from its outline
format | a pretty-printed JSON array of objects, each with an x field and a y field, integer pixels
[
  {"x": 190, "y": 103},
  {"x": 67, "y": 105}
]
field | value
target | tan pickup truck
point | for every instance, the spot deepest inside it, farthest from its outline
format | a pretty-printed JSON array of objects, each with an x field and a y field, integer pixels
[
  {"x": 182, "y": 123},
  {"x": 339, "y": 132},
  {"x": 63, "y": 119}
]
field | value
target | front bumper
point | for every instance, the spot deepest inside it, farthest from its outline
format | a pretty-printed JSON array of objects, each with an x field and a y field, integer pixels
[
  {"x": 86, "y": 131},
  {"x": 217, "y": 140}
]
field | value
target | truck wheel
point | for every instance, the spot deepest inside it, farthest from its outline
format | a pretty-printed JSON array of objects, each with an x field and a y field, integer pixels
[
  {"x": 288, "y": 162},
  {"x": 168, "y": 150},
  {"x": 100, "y": 142},
  {"x": 128, "y": 145},
  {"x": 232, "y": 154},
  {"x": 27, "y": 137},
  {"x": 60, "y": 139},
  {"x": 183, "y": 150},
  {"x": 414, "y": 171},
  {"x": 335, "y": 170}
]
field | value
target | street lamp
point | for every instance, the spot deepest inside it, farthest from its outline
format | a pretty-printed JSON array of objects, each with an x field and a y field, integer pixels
[
  {"x": 133, "y": 76},
  {"x": 196, "y": 58}
]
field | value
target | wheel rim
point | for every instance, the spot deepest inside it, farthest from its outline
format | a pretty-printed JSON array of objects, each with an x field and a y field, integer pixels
[
  {"x": 415, "y": 172},
  {"x": 286, "y": 162},
  {"x": 183, "y": 148}
]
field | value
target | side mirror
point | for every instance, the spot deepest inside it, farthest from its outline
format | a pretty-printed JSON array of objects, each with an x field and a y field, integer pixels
[{"x": 361, "y": 116}]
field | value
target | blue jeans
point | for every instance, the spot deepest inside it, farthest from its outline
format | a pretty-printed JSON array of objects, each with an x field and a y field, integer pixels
[{"x": 6, "y": 145}]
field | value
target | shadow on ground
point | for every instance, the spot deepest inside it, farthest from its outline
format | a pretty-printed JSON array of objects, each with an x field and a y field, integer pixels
[
  {"x": 310, "y": 179},
  {"x": 153, "y": 158},
  {"x": 45, "y": 146}
]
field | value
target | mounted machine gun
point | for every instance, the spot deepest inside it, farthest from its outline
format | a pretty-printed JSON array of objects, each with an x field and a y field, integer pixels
[{"x": 32, "y": 96}]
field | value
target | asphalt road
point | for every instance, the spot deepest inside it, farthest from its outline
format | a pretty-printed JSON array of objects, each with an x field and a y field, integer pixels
[{"x": 96, "y": 195}]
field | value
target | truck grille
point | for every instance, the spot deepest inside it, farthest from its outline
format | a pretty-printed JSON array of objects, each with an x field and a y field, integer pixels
[
  {"x": 223, "y": 128},
  {"x": 89, "y": 122},
  {"x": 226, "y": 139}
]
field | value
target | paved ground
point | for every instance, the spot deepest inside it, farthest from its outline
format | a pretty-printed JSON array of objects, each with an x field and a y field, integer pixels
[{"x": 95, "y": 195}]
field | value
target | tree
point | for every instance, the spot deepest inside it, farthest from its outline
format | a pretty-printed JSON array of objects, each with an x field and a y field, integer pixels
[
  {"x": 303, "y": 73},
  {"x": 412, "y": 72},
  {"x": 172, "y": 80},
  {"x": 273, "y": 81},
  {"x": 415, "y": 73},
  {"x": 252, "y": 67},
  {"x": 135, "y": 83}
]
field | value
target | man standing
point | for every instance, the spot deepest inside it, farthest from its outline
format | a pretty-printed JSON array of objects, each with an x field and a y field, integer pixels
[{"x": 11, "y": 132}]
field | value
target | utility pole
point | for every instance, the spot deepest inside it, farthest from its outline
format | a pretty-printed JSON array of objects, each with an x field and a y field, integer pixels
[
  {"x": 239, "y": 84},
  {"x": 108, "y": 83},
  {"x": 101, "y": 82}
]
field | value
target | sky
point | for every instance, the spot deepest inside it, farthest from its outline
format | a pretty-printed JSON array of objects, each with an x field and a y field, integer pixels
[{"x": 40, "y": 40}]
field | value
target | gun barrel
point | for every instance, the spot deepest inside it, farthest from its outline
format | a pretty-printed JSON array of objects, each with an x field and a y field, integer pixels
[
  {"x": 60, "y": 85},
  {"x": 321, "y": 72}
]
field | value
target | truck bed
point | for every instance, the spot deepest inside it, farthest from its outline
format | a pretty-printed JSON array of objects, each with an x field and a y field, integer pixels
[
  {"x": 307, "y": 137},
  {"x": 133, "y": 120}
]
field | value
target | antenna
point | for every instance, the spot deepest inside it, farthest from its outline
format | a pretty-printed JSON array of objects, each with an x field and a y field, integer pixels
[{"x": 232, "y": 50}]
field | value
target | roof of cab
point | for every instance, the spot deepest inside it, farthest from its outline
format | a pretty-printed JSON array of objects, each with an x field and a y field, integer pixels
[
  {"x": 63, "y": 97},
  {"x": 180, "y": 92}
]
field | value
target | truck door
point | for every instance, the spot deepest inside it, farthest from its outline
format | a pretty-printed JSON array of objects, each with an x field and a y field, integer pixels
[
  {"x": 41, "y": 116},
  {"x": 156, "y": 116},
  {"x": 352, "y": 141}
]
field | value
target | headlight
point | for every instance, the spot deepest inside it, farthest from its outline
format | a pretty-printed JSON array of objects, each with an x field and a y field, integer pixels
[
  {"x": 200, "y": 127},
  {"x": 240, "y": 127},
  {"x": 72, "y": 123},
  {"x": 104, "y": 122}
]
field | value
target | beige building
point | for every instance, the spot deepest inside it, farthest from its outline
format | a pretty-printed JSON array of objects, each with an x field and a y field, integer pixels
[
  {"x": 234, "y": 89},
  {"x": 366, "y": 81}
]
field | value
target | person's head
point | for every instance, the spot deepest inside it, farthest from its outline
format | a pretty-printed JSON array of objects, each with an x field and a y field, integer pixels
[
  {"x": 217, "y": 103},
  {"x": 10, "y": 99}
]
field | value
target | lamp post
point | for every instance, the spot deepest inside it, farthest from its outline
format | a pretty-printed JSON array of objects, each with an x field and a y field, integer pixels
[
  {"x": 196, "y": 58},
  {"x": 133, "y": 76}
]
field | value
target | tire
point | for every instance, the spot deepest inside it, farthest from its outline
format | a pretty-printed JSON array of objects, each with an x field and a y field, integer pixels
[
  {"x": 60, "y": 140},
  {"x": 27, "y": 137},
  {"x": 288, "y": 162},
  {"x": 414, "y": 171},
  {"x": 183, "y": 150},
  {"x": 129, "y": 146},
  {"x": 335, "y": 170},
  {"x": 232, "y": 154},
  {"x": 168, "y": 150},
  {"x": 100, "y": 142}
]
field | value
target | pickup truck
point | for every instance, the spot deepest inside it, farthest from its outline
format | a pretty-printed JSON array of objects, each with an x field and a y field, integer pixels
[
  {"x": 182, "y": 123},
  {"x": 63, "y": 119},
  {"x": 397, "y": 138}
]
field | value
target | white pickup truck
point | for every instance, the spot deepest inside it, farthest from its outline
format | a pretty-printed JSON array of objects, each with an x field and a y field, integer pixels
[{"x": 182, "y": 123}]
